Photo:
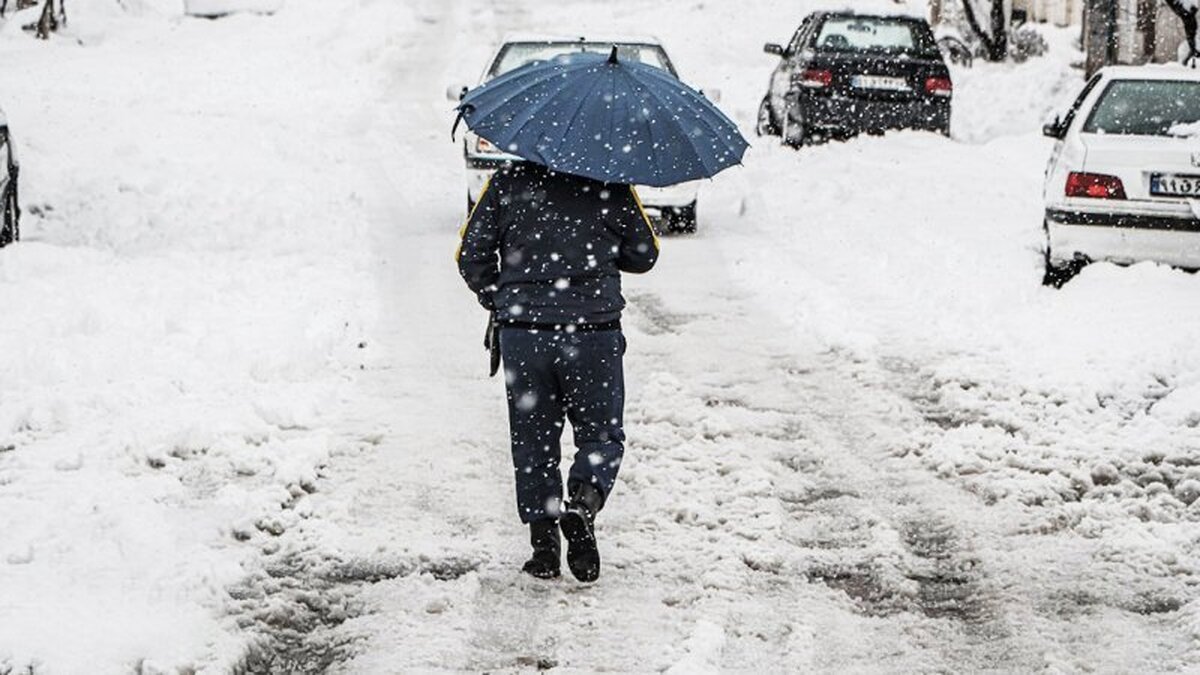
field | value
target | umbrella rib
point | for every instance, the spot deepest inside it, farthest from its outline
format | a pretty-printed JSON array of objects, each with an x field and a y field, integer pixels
[
  {"x": 695, "y": 150},
  {"x": 575, "y": 115},
  {"x": 723, "y": 135},
  {"x": 520, "y": 92},
  {"x": 657, "y": 169},
  {"x": 517, "y": 132},
  {"x": 713, "y": 130},
  {"x": 639, "y": 85},
  {"x": 612, "y": 118}
]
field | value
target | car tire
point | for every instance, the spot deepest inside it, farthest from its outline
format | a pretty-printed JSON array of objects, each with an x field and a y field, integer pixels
[
  {"x": 794, "y": 132},
  {"x": 766, "y": 119},
  {"x": 1056, "y": 275},
  {"x": 10, "y": 226},
  {"x": 682, "y": 219}
]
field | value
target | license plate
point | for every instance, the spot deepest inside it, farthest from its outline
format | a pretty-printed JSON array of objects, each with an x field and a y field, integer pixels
[
  {"x": 1174, "y": 185},
  {"x": 879, "y": 82}
]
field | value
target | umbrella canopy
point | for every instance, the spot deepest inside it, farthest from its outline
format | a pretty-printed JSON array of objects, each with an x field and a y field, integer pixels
[{"x": 607, "y": 119}]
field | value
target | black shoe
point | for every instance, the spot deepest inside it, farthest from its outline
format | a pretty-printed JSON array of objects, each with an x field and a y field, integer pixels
[
  {"x": 545, "y": 563},
  {"x": 578, "y": 526}
]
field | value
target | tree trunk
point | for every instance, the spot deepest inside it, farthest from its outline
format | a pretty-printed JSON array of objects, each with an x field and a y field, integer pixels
[
  {"x": 995, "y": 41},
  {"x": 48, "y": 22},
  {"x": 1100, "y": 34},
  {"x": 999, "y": 32},
  {"x": 1186, "y": 14}
]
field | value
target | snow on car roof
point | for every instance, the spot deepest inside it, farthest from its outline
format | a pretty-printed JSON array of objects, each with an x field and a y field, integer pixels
[
  {"x": 876, "y": 8},
  {"x": 543, "y": 37},
  {"x": 1155, "y": 71}
]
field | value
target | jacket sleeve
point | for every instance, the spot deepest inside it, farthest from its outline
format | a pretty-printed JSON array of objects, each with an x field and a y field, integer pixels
[
  {"x": 639, "y": 245},
  {"x": 478, "y": 253}
]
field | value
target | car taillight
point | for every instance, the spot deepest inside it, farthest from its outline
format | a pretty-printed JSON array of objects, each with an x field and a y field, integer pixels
[
  {"x": 939, "y": 86},
  {"x": 1095, "y": 185},
  {"x": 813, "y": 77},
  {"x": 485, "y": 147}
]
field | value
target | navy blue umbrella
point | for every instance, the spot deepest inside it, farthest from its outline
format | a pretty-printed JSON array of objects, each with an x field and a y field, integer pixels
[{"x": 604, "y": 118}]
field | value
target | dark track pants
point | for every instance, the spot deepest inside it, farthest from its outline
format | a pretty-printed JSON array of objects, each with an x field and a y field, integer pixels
[{"x": 552, "y": 376}]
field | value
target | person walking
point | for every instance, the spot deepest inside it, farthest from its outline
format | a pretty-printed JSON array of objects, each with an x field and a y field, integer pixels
[{"x": 544, "y": 252}]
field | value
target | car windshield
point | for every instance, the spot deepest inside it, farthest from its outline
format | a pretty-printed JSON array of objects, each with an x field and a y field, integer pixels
[
  {"x": 1145, "y": 107},
  {"x": 516, "y": 54},
  {"x": 874, "y": 34}
]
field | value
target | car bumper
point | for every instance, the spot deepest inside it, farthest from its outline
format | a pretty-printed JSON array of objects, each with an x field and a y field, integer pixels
[
  {"x": 856, "y": 115},
  {"x": 655, "y": 199},
  {"x": 1124, "y": 237}
]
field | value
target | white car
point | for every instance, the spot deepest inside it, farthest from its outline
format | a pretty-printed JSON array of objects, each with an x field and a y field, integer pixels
[
  {"x": 1123, "y": 182},
  {"x": 10, "y": 229},
  {"x": 673, "y": 208}
]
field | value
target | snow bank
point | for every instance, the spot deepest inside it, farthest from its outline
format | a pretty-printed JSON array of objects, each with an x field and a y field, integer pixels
[
  {"x": 1002, "y": 99},
  {"x": 1180, "y": 407},
  {"x": 183, "y": 320}
]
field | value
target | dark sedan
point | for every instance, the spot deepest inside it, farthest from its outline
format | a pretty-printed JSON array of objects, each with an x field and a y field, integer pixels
[
  {"x": 10, "y": 218},
  {"x": 845, "y": 73}
]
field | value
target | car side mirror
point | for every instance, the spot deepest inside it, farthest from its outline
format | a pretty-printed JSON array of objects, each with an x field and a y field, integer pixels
[
  {"x": 713, "y": 95},
  {"x": 772, "y": 48},
  {"x": 456, "y": 92},
  {"x": 1055, "y": 129}
]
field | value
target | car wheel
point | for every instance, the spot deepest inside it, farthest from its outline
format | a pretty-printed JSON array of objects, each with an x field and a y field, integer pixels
[
  {"x": 1057, "y": 274},
  {"x": 682, "y": 219},
  {"x": 9, "y": 231},
  {"x": 766, "y": 122},
  {"x": 794, "y": 132}
]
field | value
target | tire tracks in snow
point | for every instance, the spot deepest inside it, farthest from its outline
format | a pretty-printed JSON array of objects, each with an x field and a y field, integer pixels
[
  {"x": 881, "y": 538},
  {"x": 938, "y": 573},
  {"x": 939, "y": 577}
]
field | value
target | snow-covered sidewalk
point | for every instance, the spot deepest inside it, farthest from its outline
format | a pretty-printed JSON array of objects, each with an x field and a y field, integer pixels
[{"x": 182, "y": 321}]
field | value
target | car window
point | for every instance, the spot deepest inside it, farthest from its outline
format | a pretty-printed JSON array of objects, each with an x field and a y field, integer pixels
[
  {"x": 875, "y": 34},
  {"x": 516, "y": 54},
  {"x": 1144, "y": 107}
]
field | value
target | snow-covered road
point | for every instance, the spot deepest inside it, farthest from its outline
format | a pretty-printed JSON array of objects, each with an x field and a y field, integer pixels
[{"x": 249, "y": 428}]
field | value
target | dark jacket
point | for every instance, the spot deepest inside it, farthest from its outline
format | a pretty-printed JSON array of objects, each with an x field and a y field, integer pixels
[{"x": 548, "y": 248}]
